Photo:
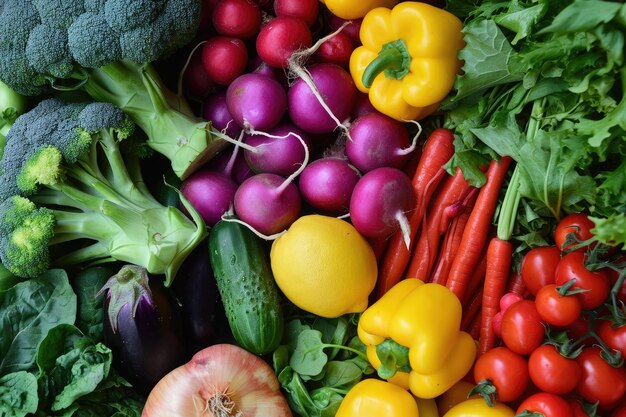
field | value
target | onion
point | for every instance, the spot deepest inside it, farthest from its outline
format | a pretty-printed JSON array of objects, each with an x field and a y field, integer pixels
[{"x": 222, "y": 380}]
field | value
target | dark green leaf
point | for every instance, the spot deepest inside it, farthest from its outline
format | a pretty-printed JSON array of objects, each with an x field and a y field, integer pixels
[
  {"x": 583, "y": 15},
  {"x": 340, "y": 373},
  {"x": 90, "y": 308}
]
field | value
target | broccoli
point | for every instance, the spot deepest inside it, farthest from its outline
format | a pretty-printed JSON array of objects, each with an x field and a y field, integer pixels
[
  {"x": 12, "y": 105},
  {"x": 68, "y": 181},
  {"x": 106, "y": 48}
]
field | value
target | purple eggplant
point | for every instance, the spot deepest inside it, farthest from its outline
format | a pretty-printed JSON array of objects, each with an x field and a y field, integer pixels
[
  {"x": 204, "y": 320},
  {"x": 143, "y": 327}
]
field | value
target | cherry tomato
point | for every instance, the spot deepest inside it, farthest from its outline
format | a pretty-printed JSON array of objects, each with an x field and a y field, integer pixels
[
  {"x": 237, "y": 18},
  {"x": 614, "y": 337},
  {"x": 539, "y": 266},
  {"x": 306, "y": 10},
  {"x": 552, "y": 372},
  {"x": 280, "y": 38},
  {"x": 336, "y": 50},
  {"x": 522, "y": 328},
  {"x": 577, "y": 224},
  {"x": 620, "y": 410},
  {"x": 550, "y": 405},
  {"x": 596, "y": 283},
  {"x": 600, "y": 381},
  {"x": 579, "y": 329},
  {"x": 224, "y": 59},
  {"x": 557, "y": 309},
  {"x": 506, "y": 370},
  {"x": 577, "y": 408}
]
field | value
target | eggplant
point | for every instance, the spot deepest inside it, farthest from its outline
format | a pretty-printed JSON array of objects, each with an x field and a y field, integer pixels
[
  {"x": 204, "y": 319},
  {"x": 142, "y": 327}
]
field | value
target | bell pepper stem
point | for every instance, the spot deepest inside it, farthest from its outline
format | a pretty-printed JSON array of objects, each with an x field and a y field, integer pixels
[
  {"x": 393, "y": 59},
  {"x": 393, "y": 358}
]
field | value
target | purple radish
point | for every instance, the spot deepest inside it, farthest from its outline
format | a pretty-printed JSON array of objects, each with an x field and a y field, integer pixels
[
  {"x": 376, "y": 141},
  {"x": 327, "y": 184},
  {"x": 256, "y": 100},
  {"x": 362, "y": 105},
  {"x": 280, "y": 152},
  {"x": 215, "y": 110},
  {"x": 236, "y": 168},
  {"x": 268, "y": 203},
  {"x": 380, "y": 201},
  {"x": 211, "y": 193},
  {"x": 334, "y": 86}
]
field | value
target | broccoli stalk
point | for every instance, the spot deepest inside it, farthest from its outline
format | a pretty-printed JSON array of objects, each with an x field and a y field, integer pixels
[
  {"x": 12, "y": 105},
  {"x": 106, "y": 49},
  {"x": 65, "y": 179}
]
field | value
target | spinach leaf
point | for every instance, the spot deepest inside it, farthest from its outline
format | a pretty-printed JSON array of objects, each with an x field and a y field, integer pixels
[
  {"x": 30, "y": 309},
  {"x": 18, "y": 394},
  {"x": 90, "y": 308}
]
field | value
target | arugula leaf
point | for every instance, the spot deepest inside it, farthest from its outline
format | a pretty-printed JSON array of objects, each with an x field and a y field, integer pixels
[
  {"x": 30, "y": 309},
  {"x": 309, "y": 358},
  {"x": 583, "y": 15},
  {"x": 611, "y": 229},
  {"x": 341, "y": 374},
  {"x": 18, "y": 394}
]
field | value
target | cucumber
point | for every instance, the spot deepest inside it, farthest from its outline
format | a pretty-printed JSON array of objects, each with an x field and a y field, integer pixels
[{"x": 246, "y": 285}]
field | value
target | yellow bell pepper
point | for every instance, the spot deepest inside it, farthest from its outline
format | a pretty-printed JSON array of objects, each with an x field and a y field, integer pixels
[
  {"x": 478, "y": 407},
  {"x": 376, "y": 398},
  {"x": 407, "y": 62},
  {"x": 413, "y": 338},
  {"x": 355, "y": 9}
]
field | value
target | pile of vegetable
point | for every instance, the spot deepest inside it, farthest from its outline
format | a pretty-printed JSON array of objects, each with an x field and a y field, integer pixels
[{"x": 312, "y": 208}]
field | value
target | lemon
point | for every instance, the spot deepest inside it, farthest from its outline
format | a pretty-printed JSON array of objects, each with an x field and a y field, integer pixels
[{"x": 324, "y": 266}]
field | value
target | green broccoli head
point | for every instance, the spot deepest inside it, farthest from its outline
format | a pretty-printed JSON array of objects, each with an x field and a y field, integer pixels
[
  {"x": 53, "y": 134},
  {"x": 25, "y": 231},
  {"x": 45, "y": 40}
]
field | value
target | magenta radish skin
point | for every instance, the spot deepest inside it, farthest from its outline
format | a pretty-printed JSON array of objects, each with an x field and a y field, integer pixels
[
  {"x": 327, "y": 184},
  {"x": 362, "y": 105},
  {"x": 281, "y": 155},
  {"x": 377, "y": 141},
  {"x": 262, "y": 204},
  {"x": 211, "y": 193},
  {"x": 378, "y": 198},
  {"x": 215, "y": 110},
  {"x": 335, "y": 86},
  {"x": 239, "y": 171},
  {"x": 256, "y": 100}
]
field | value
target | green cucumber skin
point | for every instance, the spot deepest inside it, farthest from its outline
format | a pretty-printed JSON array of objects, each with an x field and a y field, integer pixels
[{"x": 249, "y": 293}]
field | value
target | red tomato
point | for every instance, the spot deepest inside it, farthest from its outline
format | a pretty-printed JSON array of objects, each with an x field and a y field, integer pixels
[
  {"x": 596, "y": 283},
  {"x": 557, "y": 309},
  {"x": 522, "y": 328},
  {"x": 506, "y": 370},
  {"x": 224, "y": 59},
  {"x": 600, "y": 381},
  {"x": 579, "y": 329},
  {"x": 549, "y": 405},
  {"x": 280, "y": 38},
  {"x": 237, "y": 18},
  {"x": 552, "y": 372},
  {"x": 336, "y": 50},
  {"x": 576, "y": 224},
  {"x": 614, "y": 337},
  {"x": 307, "y": 10},
  {"x": 620, "y": 411},
  {"x": 539, "y": 266},
  {"x": 613, "y": 276},
  {"x": 577, "y": 408}
]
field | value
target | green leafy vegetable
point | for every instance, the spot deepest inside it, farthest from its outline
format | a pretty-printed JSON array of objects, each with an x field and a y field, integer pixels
[{"x": 18, "y": 394}]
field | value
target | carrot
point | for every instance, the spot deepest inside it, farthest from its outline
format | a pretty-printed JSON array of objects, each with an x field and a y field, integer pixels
[
  {"x": 452, "y": 192},
  {"x": 516, "y": 285},
  {"x": 477, "y": 228},
  {"x": 378, "y": 246},
  {"x": 499, "y": 258},
  {"x": 478, "y": 277},
  {"x": 499, "y": 254},
  {"x": 471, "y": 309},
  {"x": 474, "y": 327},
  {"x": 437, "y": 151}
]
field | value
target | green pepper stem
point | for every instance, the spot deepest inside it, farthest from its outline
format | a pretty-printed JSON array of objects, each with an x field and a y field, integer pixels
[{"x": 393, "y": 59}]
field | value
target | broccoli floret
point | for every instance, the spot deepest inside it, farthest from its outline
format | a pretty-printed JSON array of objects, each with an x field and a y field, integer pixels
[
  {"x": 64, "y": 178},
  {"x": 106, "y": 48}
]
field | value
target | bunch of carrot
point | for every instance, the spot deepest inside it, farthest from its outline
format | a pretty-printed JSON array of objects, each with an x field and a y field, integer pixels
[{"x": 453, "y": 238}]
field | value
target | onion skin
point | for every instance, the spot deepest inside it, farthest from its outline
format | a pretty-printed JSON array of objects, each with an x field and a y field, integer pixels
[{"x": 224, "y": 368}]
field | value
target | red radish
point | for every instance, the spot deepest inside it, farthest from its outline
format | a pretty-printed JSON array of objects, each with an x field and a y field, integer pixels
[
  {"x": 336, "y": 50},
  {"x": 218, "y": 381},
  {"x": 211, "y": 193},
  {"x": 257, "y": 101},
  {"x": 224, "y": 58},
  {"x": 307, "y": 10},
  {"x": 327, "y": 184},
  {"x": 238, "y": 18},
  {"x": 337, "y": 91},
  {"x": 380, "y": 201},
  {"x": 280, "y": 38},
  {"x": 232, "y": 163},
  {"x": 215, "y": 110},
  {"x": 279, "y": 152},
  {"x": 268, "y": 203},
  {"x": 196, "y": 82},
  {"x": 377, "y": 141},
  {"x": 350, "y": 27}
]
